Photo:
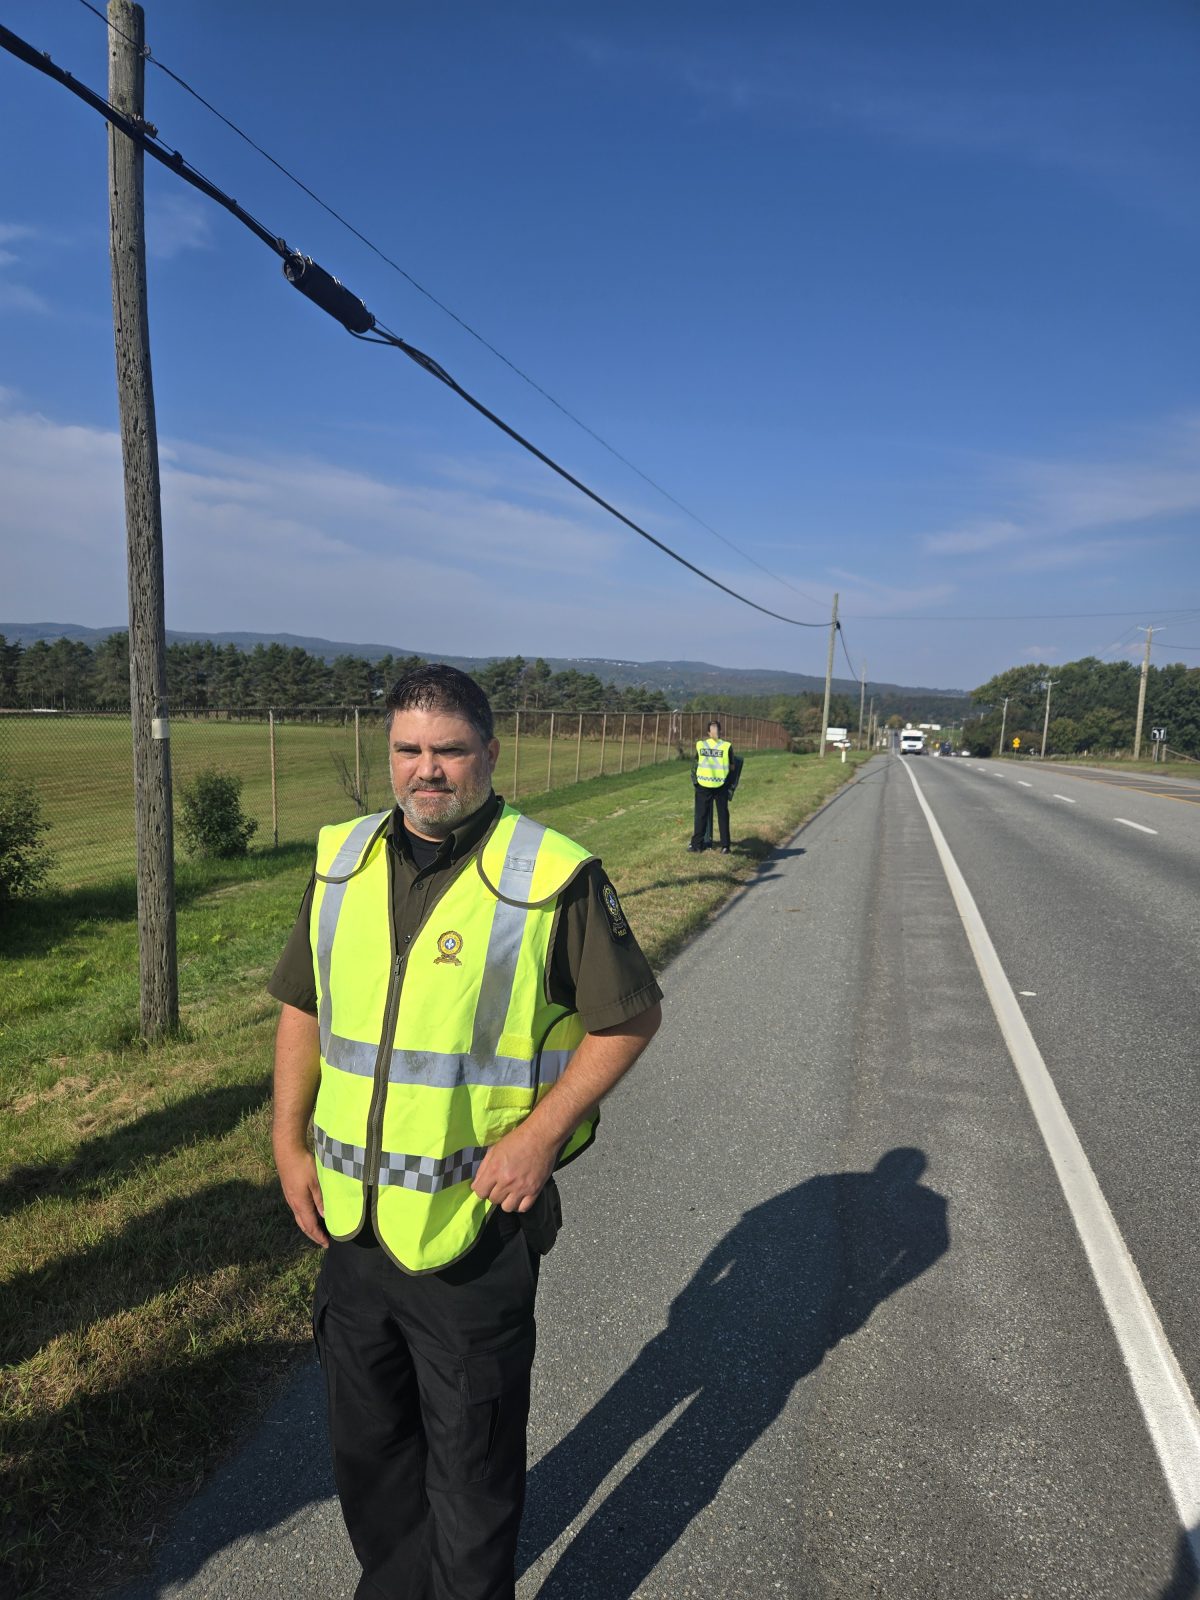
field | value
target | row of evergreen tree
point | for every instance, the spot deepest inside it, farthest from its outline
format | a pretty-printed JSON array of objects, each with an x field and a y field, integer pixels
[{"x": 70, "y": 675}]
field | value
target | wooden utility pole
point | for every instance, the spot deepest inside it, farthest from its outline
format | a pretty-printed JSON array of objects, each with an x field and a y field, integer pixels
[
  {"x": 829, "y": 675},
  {"x": 1003, "y": 724},
  {"x": 862, "y": 700},
  {"x": 1050, "y": 682},
  {"x": 1141, "y": 710},
  {"x": 143, "y": 527}
]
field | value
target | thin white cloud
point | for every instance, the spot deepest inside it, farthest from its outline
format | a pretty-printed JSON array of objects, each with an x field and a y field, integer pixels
[
  {"x": 17, "y": 296},
  {"x": 1060, "y": 508},
  {"x": 306, "y": 546},
  {"x": 176, "y": 223},
  {"x": 949, "y": 100}
]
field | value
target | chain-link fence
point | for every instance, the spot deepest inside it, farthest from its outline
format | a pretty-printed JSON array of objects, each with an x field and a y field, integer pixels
[{"x": 303, "y": 767}]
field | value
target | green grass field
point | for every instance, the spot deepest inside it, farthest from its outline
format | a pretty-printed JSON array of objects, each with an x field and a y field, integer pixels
[
  {"x": 154, "y": 1286},
  {"x": 82, "y": 768}
]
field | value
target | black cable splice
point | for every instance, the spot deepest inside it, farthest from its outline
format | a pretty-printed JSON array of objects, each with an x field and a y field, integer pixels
[{"x": 328, "y": 292}]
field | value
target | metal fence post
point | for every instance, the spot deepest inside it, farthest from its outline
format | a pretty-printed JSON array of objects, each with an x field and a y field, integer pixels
[
  {"x": 578, "y": 746},
  {"x": 274, "y": 783},
  {"x": 516, "y": 751},
  {"x": 550, "y": 757},
  {"x": 603, "y": 736},
  {"x": 358, "y": 794}
]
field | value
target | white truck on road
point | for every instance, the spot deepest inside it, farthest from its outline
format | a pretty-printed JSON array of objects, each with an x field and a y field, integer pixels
[{"x": 912, "y": 742}]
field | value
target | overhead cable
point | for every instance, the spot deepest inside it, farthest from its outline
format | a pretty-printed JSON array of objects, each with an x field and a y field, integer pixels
[
  {"x": 447, "y": 310},
  {"x": 345, "y": 307},
  {"x": 1036, "y": 616},
  {"x": 853, "y": 670}
]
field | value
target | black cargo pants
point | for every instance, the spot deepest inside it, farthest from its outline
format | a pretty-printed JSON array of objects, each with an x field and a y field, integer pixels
[
  {"x": 703, "y": 811},
  {"x": 427, "y": 1380}
]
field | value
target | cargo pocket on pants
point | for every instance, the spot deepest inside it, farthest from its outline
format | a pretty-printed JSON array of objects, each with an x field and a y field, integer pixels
[{"x": 494, "y": 1390}]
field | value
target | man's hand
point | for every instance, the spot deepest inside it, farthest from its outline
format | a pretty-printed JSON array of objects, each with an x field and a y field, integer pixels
[
  {"x": 297, "y": 1074},
  {"x": 298, "y": 1177},
  {"x": 515, "y": 1170}
]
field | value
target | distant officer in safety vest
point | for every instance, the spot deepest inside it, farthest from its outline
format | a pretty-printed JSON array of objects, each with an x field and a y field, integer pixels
[
  {"x": 461, "y": 990},
  {"x": 713, "y": 774}
]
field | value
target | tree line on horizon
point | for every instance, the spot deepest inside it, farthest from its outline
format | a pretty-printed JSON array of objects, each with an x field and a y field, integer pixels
[
  {"x": 1093, "y": 708},
  {"x": 73, "y": 676}
]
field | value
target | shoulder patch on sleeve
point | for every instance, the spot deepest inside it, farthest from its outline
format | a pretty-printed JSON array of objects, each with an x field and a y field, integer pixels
[{"x": 614, "y": 916}]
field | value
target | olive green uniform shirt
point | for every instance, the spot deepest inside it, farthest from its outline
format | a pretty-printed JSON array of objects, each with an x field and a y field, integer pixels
[{"x": 596, "y": 966}]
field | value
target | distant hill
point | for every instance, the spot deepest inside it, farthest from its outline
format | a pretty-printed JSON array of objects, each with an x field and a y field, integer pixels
[{"x": 678, "y": 680}]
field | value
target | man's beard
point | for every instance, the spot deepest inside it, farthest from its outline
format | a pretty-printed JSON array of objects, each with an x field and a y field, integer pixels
[{"x": 442, "y": 812}]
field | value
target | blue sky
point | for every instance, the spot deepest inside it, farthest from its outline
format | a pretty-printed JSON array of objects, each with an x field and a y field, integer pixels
[{"x": 901, "y": 299}]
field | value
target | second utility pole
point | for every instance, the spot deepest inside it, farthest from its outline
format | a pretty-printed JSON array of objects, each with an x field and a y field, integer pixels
[
  {"x": 1050, "y": 682},
  {"x": 828, "y": 675},
  {"x": 1141, "y": 710},
  {"x": 862, "y": 696},
  {"x": 158, "y": 972}
]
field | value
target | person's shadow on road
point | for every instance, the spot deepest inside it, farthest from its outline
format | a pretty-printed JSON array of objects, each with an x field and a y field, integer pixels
[{"x": 796, "y": 1275}]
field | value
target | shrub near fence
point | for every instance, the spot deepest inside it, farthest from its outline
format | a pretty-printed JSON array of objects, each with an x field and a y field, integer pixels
[{"x": 303, "y": 767}]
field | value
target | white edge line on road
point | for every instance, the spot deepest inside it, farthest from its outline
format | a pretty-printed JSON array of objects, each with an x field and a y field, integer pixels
[
  {"x": 1161, "y": 1389},
  {"x": 1065, "y": 797},
  {"x": 1023, "y": 784},
  {"x": 1140, "y": 826}
]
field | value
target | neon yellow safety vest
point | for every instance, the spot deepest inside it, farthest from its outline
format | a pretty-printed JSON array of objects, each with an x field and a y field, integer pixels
[
  {"x": 432, "y": 1054},
  {"x": 712, "y": 762}
]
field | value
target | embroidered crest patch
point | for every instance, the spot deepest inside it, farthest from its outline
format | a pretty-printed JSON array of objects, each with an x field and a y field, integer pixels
[
  {"x": 449, "y": 945},
  {"x": 617, "y": 924}
]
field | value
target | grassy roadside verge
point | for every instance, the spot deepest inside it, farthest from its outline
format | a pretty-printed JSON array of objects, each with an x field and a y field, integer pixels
[
  {"x": 1179, "y": 767},
  {"x": 152, "y": 1283}
]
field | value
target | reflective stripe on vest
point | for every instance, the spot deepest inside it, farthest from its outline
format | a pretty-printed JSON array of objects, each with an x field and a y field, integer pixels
[
  {"x": 712, "y": 762},
  {"x": 474, "y": 1042}
]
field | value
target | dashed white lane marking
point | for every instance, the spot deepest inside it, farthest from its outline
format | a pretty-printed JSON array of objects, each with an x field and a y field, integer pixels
[
  {"x": 1065, "y": 797},
  {"x": 1023, "y": 784},
  {"x": 1162, "y": 1392},
  {"x": 1030, "y": 994},
  {"x": 1140, "y": 826}
]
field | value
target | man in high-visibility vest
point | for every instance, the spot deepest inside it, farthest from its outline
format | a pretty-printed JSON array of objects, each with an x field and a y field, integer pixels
[
  {"x": 712, "y": 773},
  {"x": 461, "y": 990}
]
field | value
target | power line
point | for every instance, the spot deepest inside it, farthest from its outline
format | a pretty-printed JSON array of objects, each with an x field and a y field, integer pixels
[
  {"x": 448, "y": 311},
  {"x": 1039, "y": 616},
  {"x": 333, "y": 297},
  {"x": 846, "y": 653}
]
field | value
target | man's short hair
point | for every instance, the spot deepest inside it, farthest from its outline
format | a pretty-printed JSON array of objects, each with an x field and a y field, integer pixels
[
  {"x": 713, "y": 723},
  {"x": 434, "y": 687}
]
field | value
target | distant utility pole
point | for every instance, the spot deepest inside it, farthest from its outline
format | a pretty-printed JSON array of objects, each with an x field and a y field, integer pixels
[
  {"x": 143, "y": 527},
  {"x": 1050, "y": 682},
  {"x": 862, "y": 697},
  {"x": 829, "y": 675},
  {"x": 1003, "y": 724},
  {"x": 1141, "y": 711},
  {"x": 871, "y": 726}
]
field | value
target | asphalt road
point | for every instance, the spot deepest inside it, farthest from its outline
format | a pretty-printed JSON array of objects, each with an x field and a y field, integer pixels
[{"x": 820, "y": 1323}]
